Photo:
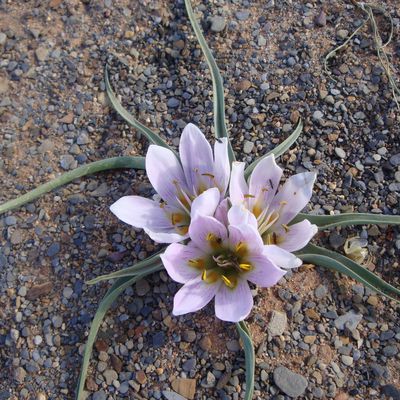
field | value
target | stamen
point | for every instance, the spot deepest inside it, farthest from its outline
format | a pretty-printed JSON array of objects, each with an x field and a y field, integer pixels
[
  {"x": 209, "y": 276},
  {"x": 241, "y": 249},
  {"x": 245, "y": 267},
  {"x": 285, "y": 227},
  {"x": 227, "y": 281},
  {"x": 249, "y": 196},
  {"x": 176, "y": 218},
  {"x": 214, "y": 241},
  {"x": 182, "y": 230},
  {"x": 197, "y": 263},
  {"x": 209, "y": 175}
]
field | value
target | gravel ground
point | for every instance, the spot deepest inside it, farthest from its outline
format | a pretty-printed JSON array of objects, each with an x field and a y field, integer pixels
[{"x": 317, "y": 335}]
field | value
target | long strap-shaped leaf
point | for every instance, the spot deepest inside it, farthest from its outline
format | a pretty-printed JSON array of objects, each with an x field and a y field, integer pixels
[
  {"x": 118, "y": 107},
  {"x": 96, "y": 166},
  {"x": 278, "y": 150},
  {"x": 337, "y": 262},
  {"x": 148, "y": 265},
  {"x": 117, "y": 288},
  {"x": 218, "y": 87},
  {"x": 330, "y": 221},
  {"x": 249, "y": 356}
]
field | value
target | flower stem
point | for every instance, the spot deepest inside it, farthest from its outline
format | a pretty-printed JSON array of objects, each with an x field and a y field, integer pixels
[{"x": 97, "y": 166}]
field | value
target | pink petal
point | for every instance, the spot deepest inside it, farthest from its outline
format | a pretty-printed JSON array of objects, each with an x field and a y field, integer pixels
[
  {"x": 167, "y": 236},
  {"x": 201, "y": 227},
  {"x": 297, "y": 236},
  {"x": 194, "y": 295},
  {"x": 221, "y": 213},
  {"x": 281, "y": 257},
  {"x": 295, "y": 193},
  {"x": 237, "y": 186},
  {"x": 264, "y": 181},
  {"x": 196, "y": 157},
  {"x": 165, "y": 173},
  {"x": 221, "y": 164},
  {"x": 206, "y": 203},
  {"x": 265, "y": 272},
  {"x": 175, "y": 260},
  {"x": 239, "y": 215},
  {"x": 233, "y": 305},
  {"x": 248, "y": 235}
]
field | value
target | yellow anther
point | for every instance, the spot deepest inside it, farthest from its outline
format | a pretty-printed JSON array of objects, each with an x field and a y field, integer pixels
[
  {"x": 209, "y": 175},
  {"x": 283, "y": 203},
  {"x": 214, "y": 241},
  {"x": 197, "y": 263},
  {"x": 230, "y": 282},
  {"x": 182, "y": 230},
  {"x": 257, "y": 210},
  {"x": 285, "y": 227},
  {"x": 209, "y": 276},
  {"x": 249, "y": 196},
  {"x": 176, "y": 218},
  {"x": 245, "y": 267},
  {"x": 241, "y": 249}
]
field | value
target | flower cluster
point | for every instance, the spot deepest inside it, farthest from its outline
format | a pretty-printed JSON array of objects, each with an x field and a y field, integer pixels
[{"x": 228, "y": 240}]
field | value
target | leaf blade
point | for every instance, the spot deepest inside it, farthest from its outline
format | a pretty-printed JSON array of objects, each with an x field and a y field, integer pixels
[{"x": 84, "y": 170}]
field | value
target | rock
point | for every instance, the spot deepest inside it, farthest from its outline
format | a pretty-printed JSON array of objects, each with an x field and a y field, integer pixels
[
  {"x": 169, "y": 395},
  {"x": 3, "y": 85},
  {"x": 390, "y": 351},
  {"x": 141, "y": 377},
  {"x": 53, "y": 249},
  {"x": 391, "y": 391},
  {"x": 318, "y": 115},
  {"x": 142, "y": 287},
  {"x": 41, "y": 54},
  {"x": 242, "y": 15},
  {"x": 321, "y": 291},
  {"x": 45, "y": 146},
  {"x": 67, "y": 119},
  {"x": 244, "y": 84},
  {"x": 173, "y": 102},
  {"x": 68, "y": 292},
  {"x": 189, "y": 336},
  {"x": 350, "y": 320},
  {"x": 68, "y": 161},
  {"x": 83, "y": 138},
  {"x": 100, "y": 395},
  {"x": 185, "y": 387},
  {"x": 39, "y": 290},
  {"x": 347, "y": 360},
  {"x": 248, "y": 147},
  {"x": 336, "y": 240},
  {"x": 110, "y": 375},
  {"x": 10, "y": 220},
  {"x": 395, "y": 160},
  {"x": 289, "y": 382},
  {"x": 340, "y": 152},
  {"x": 342, "y": 34},
  {"x": 3, "y": 39},
  {"x": 158, "y": 339},
  {"x": 218, "y": 23},
  {"x": 19, "y": 375},
  {"x": 233, "y": 345},
  {"x": 189, "y": 365},
  {"x": 277, "y": 323},
  {"x": 205, "y": 343},
  {"x": 320, "y": 19}
]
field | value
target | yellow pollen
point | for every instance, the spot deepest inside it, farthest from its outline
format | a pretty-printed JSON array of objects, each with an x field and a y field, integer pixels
[
  {"x": 197, "y": 263},
  {"x": 249, "y": 196},
  {"x": 283, "y": 203},
  {"x": 182, "y": 230},
  {"x": 231, "y": 283},
  {"x": 209, "y": 276},
  {"x": 241, "y": 249},
  {"x": 176, "y": 218},
  {"x": 245, "y": 267},
  {"x": 209, "y": 175},
  {"x": 214, "y": 241}
]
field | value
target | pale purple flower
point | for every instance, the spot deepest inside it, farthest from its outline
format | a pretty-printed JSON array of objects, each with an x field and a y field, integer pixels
[
  {"x": 275, "y": 210},
  {"x": 218, "y": 262},
  {"x": 189, "y": 187}
]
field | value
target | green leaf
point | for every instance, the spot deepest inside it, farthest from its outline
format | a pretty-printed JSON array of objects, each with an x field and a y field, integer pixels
[
  {"x": 218, "y": 87},
  {"x": 330, "y": 221},
  {"x": 338, "y": 262},
  {"x": 97, "y": 166},
  {"x": 249, "y": 358},
  {"x": 147, "y": 265},
  {"x": 278, "y": 150},
  {"x": 118, "y": 107},
  {"x": 116, "y": 289}
]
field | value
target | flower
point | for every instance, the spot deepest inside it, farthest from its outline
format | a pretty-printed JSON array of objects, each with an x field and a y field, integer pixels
[
  {"x": 189, "y": 187},
  {"x": 218, "y": 262},
  {"x": 275, "y": 210}
]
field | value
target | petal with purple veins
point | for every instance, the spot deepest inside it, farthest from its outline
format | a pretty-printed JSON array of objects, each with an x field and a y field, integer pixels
[
  {"x": 281, "y": 257},
  {"x": 296, "y": 236},
  {"x": 264, "y": 272},
  {"x": 207, "y": 232},
  {"x": 206, "y": 203},
  {"x": 233, "y": 305},
  {"x": 221, "y": 164},
  {"x": 194, "y": 295},
  {"x": 238, "y": 215},
  {"x": 238, "y": 187}
]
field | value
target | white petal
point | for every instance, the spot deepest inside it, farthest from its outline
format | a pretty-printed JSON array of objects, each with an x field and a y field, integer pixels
[
  {"x": 206, "y": 203},
  {"x": 165, "y": 173},
  {"x": 265, "y": 273},
  {"x": 237, "y": 187},
  {"x": 293, "y": 196},
  {"x": 281, "y": 257},
  {"x": 201, "y": 227},
  {"x": 221, "y": 164},
  {"x": 221, "y": 213},
  {"x": 196, "y": 157},
  {"x": 296, "y": 236},
  {"x": 238, "y": 215},
  {"x": 175, "y": 260},
  {"x": 233, "y": 305},
  {"x": 194, "y": 295},
  {"x": 248, "y": 235}
]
